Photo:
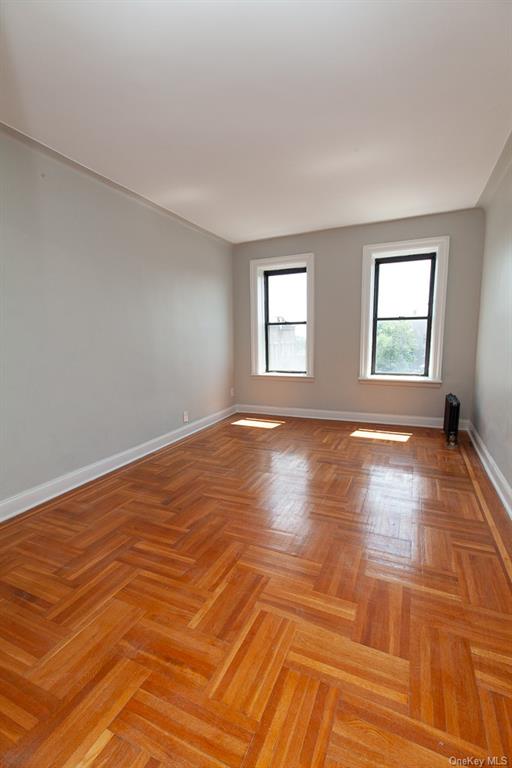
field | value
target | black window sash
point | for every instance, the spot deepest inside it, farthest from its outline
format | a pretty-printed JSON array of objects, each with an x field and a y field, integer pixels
[
  {"x": 270, "y": 273},
  {"x": 413, "y": 257}
]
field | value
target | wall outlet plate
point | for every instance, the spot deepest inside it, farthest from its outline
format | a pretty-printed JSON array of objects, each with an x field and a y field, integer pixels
[{"x": 185, "y": 417}]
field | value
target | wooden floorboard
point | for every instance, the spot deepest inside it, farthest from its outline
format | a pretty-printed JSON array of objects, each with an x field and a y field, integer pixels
[{"x": 294, "y": 597}]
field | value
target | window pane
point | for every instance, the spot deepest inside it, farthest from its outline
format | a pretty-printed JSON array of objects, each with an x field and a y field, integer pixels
[
  {"x": 404, "y": 288},
  {"x": 287, "y": 348},
  {"x": 287, "y": 297},
  {"x": 400, "y": 346}
]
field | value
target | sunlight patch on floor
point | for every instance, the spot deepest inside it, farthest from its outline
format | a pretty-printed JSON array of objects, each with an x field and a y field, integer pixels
[
  {"x": 378, "y": 434},
  {"x": 260, "y": 423}
]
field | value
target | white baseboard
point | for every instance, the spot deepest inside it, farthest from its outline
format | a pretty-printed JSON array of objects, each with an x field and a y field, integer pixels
[
  {"x": 21, "y": 502},
  {"x": 496, "y": 476},
  {"x": 370, "y": 418},
  {"x": 14, "y": 505}
]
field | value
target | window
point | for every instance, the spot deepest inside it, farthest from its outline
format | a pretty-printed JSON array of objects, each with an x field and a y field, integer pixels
[
  {"x": 285, "y": 320},
  {"x": 281, "y": 316},
  {"x": 403, "y": 301},
  {"x": 402, "y": 317}
]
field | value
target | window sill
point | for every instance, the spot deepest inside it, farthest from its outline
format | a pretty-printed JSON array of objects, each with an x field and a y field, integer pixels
[
  {"x": 284, "y": 376},
  {"x": 411, "y": 381}
]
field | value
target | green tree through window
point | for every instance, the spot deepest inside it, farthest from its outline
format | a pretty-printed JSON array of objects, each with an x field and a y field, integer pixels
[{"x": 400, "y": 346}]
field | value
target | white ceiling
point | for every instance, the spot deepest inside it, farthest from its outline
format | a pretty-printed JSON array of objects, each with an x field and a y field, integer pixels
[{"x": 260, "y": 118}]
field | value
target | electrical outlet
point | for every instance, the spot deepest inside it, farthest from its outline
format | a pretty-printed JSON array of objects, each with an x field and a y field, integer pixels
[
  {"x": 232, "y": 391},
  {"x": 185, "y": 417}
]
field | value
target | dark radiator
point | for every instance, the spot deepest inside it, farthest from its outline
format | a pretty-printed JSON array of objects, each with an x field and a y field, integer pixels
[{"x": 451, "y": 419}]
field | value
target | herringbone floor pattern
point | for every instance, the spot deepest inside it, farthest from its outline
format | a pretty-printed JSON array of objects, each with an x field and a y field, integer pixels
[{"x": 292, "y": 597}]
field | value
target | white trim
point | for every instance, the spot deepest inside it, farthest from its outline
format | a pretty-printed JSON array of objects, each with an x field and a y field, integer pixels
[
  {"x": 409, "y": 381},
  {"x": 284, "y": 377},
  {"x": 370, "y": 418},
  {"x": 257, "y": 268},
  {"x": 441, "y": 245},
  {"x": 21, "y": 502},
  {"x": 25, "y": 500},
  {"x": 496, "y": 476}
]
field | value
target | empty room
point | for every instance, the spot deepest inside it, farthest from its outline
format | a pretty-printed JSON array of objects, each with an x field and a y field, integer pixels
[{"x": 255, "y": 383}]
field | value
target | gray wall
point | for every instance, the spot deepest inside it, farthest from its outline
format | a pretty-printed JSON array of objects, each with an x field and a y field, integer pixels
[
  {"x": 493, "y": 390},
  {"x": 338, "y": 256},
  {"x": 115, "y": 318}
]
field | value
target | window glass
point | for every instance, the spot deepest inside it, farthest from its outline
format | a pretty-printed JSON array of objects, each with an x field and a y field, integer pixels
[
  {"x": 402, "y": 315},
  {"x": 400, "y": 346},
  {"x": 287, "y": 348},
  {"x": 287, "y": 297},
  {"x": 404, "y": 288}
]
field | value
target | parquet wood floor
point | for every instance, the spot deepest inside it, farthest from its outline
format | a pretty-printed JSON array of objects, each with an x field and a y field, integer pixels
[{"x": 293, "y": 597}]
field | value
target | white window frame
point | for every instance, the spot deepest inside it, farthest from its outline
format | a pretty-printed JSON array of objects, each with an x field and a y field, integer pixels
[
  {"x": 441, "y": 247},
  {"x": 257, "y": 288}
]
